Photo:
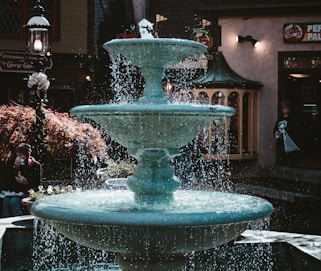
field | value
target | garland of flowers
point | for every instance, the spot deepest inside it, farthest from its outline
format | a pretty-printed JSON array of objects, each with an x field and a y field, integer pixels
[{"x": 49, "y": 191}]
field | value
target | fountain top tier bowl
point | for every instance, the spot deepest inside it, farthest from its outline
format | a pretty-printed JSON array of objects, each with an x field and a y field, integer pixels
[
  {"x": 153, "y": 56},
  {"x": 154, "y": 53}
]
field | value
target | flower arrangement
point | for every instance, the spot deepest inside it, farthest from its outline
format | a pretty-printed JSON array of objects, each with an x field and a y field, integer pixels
[
  {"x": 49, "y": 191},
  {"x": 40, "y": 80}
]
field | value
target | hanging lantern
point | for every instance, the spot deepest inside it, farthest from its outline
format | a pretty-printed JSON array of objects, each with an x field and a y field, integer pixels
[{"x": 38, "y": 32}]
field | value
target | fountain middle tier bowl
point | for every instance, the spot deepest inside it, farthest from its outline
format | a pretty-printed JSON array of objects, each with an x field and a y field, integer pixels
[
  {"x": 137, "y": 126},
  {"x": 112, "y": 221}
]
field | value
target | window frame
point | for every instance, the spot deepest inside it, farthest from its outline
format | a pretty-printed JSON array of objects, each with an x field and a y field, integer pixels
[
  {"x": 25, "y": 15},
  {"x": 250, "y": 124}
]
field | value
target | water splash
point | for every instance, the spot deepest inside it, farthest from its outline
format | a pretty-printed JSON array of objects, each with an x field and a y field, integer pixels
[
  {"x": 52, "y": 251},
  {"x": 178, "y": 83},
  {"x": 126, "y": 81},
  {"x": 220, "y": 148}
]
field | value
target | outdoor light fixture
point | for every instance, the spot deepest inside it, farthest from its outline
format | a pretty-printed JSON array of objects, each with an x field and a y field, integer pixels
[
  {"x": 38, "y": 32},
  {"x": 255, "y": 42},
  {"x": 37, "y": 50},
  {"x": 299, "y": 75}
]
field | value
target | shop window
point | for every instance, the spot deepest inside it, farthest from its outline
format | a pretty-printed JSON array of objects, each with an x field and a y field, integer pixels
[
  {"x": 218, "y": 98},
  {"x": 15, "y": 14},
  {"x": 246, "y": 124},
  {"x": 235, "y": 138},
  {"x": 203, "y": 98},
  {"x": 234, "y": 135}
]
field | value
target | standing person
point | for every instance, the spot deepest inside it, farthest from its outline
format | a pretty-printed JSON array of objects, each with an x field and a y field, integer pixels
[
  {"x": 286, "y": 131},
  {"x": 26, "y": 175}
]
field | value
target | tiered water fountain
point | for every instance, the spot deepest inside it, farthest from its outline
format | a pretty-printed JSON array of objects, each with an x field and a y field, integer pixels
[{"x": 153, "y": 224}]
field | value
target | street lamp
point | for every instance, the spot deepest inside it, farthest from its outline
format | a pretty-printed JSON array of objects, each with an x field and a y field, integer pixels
[{"x": 38, "y": 32}]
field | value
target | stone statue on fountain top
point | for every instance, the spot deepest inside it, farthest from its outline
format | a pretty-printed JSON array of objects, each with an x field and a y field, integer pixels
[{"x": 146, "y": 29}]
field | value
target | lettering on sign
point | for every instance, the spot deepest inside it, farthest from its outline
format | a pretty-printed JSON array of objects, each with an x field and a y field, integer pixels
[
  {"x": 20, "y": 62},
  {"x": 302, "y": 32}
]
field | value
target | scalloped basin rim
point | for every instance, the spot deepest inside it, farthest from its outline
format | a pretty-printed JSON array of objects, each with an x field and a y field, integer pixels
[
  {"x": 164, "y": 41},
  {"x": 152, "y": 109},
  {"x": 154, "y": 53},
  {"x": 50, "y": 208},
  {"x": 156, "y": 40}
]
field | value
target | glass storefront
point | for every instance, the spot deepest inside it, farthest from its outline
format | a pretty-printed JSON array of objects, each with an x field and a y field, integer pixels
[{"x": 300, "y": 82}]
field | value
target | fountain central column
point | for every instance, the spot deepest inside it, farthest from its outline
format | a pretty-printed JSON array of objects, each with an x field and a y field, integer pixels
[
  {"x": 153, "y": 180},
  {"x": 153, "y": 91}
]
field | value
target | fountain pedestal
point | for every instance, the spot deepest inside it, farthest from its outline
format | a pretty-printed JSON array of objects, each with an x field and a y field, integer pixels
[{"x": 153, "y": 180}]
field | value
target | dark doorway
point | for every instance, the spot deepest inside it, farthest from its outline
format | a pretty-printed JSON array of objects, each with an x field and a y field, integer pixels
[
  {"x": 12, "y": 87},
  {"x": 300, "y": 82}
]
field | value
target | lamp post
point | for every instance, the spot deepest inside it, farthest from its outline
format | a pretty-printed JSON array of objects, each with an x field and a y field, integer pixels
[{"x": 38, "y": 47}]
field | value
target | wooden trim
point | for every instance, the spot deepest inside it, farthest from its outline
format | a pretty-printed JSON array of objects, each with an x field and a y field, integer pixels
[{"x": 252, "y": 122}]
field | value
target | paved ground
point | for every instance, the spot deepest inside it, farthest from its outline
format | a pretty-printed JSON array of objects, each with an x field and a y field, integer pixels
[{"x": 309, "y": 244}]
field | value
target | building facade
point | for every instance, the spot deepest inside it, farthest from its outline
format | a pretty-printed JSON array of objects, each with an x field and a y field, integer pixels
[
  {"x": 286, "y": 61},
  {"x": 70, "y": 47}
]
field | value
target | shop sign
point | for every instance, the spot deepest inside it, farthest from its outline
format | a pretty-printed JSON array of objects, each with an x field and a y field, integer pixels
[
  {"x": 20, "y": 62},
  {"x": 302, "y": 32},
  {"x": 202, "y": 35}
]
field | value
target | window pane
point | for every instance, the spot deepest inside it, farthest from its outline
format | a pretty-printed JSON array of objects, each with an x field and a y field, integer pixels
[
  {"x": 245, "y": 134},
  {"x": 15, "y": 13},
  {"x": 10, "y": 23},
  {"x": 203, "y": 98},
  {"x": 10, "y": 3},
  {"x": 46, "y": 4},
  {"x": 234, "y": 143},
  {"x": 218, "y": 98}
]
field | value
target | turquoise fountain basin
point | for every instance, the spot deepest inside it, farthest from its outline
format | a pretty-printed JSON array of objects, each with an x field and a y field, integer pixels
[
  {"x": 138, "y": 126},
  {"x": 153, "y": 56},
  {"x": 154, "y": 53},
  {"x": 113, "y": 221},
  {"x": 153, "y": 134}
]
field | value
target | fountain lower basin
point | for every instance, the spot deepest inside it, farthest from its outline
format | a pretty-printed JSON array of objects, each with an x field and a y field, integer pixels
[{"x": 114, "y": 222}]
